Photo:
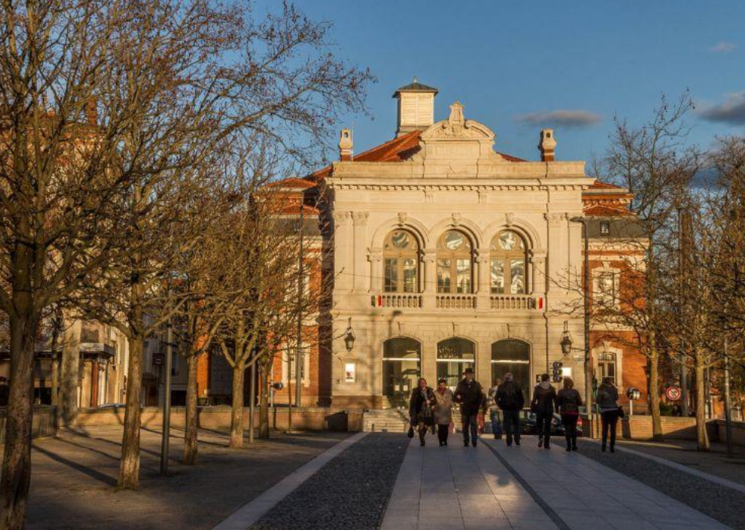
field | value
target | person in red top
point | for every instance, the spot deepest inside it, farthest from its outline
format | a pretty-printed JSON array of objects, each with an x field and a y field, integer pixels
[{"x": 569, "y": 401}]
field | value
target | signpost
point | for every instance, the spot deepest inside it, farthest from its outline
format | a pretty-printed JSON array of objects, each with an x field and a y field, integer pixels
[{"x": 673, "y": 393}]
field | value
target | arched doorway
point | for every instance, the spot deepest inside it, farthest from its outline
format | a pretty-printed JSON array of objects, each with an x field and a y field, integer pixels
[
  {"x": 401, "y": 370},
  {"x": 453, "y": 357},
  {"x": 511, "y": 355}
]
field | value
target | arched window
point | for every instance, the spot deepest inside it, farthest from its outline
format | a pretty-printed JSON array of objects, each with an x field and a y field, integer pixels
[
  {"x": 401, "y": 255},
  {"x": 400, "y": 369},
  {"x": 453, "y": 357},
  {"x": 509, "y": 264},
  {"x": 511, "y": 355},
  {"x": 454, "y": 263}
]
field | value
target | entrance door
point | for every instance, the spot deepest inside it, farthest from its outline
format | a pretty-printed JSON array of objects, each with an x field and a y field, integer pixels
[
  {"x": 453, "y": 357},
  {"x": 511, "y": 355},
  {"x": 401, "y": 370}
]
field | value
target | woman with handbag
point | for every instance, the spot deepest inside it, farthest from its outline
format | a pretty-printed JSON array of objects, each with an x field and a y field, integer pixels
[
  {"x": 443, "y": 410},
  {"x": 421, "y": 414},
  {"x": 607, "y": 400}
]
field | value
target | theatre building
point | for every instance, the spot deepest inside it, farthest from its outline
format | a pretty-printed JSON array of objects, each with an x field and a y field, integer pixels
[{"x": 446, "y": 254}]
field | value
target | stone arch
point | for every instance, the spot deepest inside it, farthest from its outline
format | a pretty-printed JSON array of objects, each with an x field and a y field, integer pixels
[
  {"x": 466, "y": 226},
  {"x": 524, "y": 228},
  {"x": 412, "y": 225}
]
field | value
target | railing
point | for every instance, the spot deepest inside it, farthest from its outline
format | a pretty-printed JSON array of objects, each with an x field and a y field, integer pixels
[
  {"x": 456, "y": 301},
  {"x": 402, "y": 301},
  {"x": 512, "y": 302}
]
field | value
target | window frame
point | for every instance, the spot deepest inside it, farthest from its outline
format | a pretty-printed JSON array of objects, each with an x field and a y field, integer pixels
[
  {"x": 455, "y": 257},
  {"x": 507, "y": 258},
  {"x": 400, "y": 256}
]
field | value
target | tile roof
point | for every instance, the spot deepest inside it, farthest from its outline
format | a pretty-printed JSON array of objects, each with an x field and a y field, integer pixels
[{"x": 416, "y": 86}]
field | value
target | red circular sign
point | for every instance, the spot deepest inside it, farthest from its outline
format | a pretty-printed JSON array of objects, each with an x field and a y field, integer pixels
[{"x": 673, "y": 393}]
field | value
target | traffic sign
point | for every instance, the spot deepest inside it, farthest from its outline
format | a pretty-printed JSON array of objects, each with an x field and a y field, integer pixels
[{"x": 673, "y": 393}]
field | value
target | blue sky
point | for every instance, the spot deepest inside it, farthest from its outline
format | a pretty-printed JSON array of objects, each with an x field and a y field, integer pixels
[{"x": 508, "y": 60}]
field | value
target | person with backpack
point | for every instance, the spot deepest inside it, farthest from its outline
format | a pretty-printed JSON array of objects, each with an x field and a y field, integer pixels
[
  {"x": 568, "y": 400},
  {"x": 421, "y": 404},
  {"x": 471, "y": 398},
  {"x": 510, "y": 400},
  {"x": 543, "y": 405},
  {"x": 607, "y": 401}
]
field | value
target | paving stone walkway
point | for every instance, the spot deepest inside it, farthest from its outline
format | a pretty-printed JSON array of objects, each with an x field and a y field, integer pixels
[{"x": 523, "y": 488}]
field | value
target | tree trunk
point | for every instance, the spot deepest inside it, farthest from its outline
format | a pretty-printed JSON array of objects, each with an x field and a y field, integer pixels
[
  {"x": 654, "y": 391},
  {"x": 129, "y": 467},
  {"x": 702, "y": 437},
  {"x": 263, "y": 404},
  {"x": 236, "y": 413},
  {"x": 191, "y": 427},
  {"x": 16, "y": 471},
  {"x": 68, "y": 398}
]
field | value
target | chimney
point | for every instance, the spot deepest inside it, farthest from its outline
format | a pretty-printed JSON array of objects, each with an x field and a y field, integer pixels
[
  {"x": 416, "y": 107},
  {"x": 345, "y": 145},
  {"x": 547, "y": 147}
]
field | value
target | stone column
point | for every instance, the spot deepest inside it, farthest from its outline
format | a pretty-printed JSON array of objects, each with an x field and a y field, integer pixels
[
  {"x": 361, "y": 281},
  {"x": 482, "y": 283},
  {"x": 343, "y": 252},
  {"x": 429, "y": 290},
  {"x": 375, "y": 256}
]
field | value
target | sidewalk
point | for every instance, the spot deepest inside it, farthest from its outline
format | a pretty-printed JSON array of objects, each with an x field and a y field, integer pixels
[
  {"x": 74, "y": 478},
  {"x": 524, "y": 488}
]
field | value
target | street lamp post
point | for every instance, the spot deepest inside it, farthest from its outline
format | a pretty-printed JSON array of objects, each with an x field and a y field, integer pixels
[
  {"x": 167, "y": 402},
  {"x": 586, "y": 293}
]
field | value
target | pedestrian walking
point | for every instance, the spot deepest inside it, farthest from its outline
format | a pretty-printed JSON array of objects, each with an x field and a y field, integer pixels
[
  {"x": 421, "y": 415},
  {"x": 510, "y": 400},
  {"x": 471, "y": 398},
  {"x": 568, "y": 400},
  {"x": 496, "y": 424},
  {"x": 443, "y": 410},
  {"x": 543, "y": 405},
  {"x": 607, "y": 400}
]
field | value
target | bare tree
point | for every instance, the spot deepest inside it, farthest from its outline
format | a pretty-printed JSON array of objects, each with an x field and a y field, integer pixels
[
  {"x": 656, "y": 166},
  {"x": 107, "y": 108}
]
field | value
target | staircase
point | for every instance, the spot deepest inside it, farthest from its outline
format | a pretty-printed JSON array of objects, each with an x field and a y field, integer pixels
[{"x": 385, "y": 420}]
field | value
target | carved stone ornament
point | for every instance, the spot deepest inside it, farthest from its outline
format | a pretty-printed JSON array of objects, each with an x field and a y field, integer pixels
[
  {"x": 374, "y": 255},
  {"x": 509, "y": 219},
  {"x": 456, "y": 218},
  {"x": 342, "y": 218},
  {"x": 402, "y": 218},
  {"x": 360, "y": 218}
]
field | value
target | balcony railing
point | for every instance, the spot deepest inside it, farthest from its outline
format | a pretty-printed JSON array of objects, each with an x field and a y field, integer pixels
[
  {"x": 401, "y": 301},
  {"x": 456, "y": 301},
  {"x": 512, "y": 302}
]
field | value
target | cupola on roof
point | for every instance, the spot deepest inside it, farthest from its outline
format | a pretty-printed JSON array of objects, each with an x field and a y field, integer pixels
[{"x": 416, "y": 86}]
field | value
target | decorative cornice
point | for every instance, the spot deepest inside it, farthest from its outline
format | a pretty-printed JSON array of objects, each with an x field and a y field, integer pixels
[{"x": 428, "y": 189}]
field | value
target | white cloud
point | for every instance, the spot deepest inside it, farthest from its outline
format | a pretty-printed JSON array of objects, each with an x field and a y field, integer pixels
[
  {"x": 723, "y": 47},
  {"x": 565, "y": 118}
]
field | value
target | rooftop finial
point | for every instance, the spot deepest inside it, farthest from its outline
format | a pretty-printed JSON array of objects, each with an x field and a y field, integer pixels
[{"x": 415, "y": 79}]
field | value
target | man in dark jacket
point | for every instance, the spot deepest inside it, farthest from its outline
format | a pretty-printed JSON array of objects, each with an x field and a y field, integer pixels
[
  {"x": 471, "y": 398},
  {"x": 511, "y": 400},
  {"x": 543, "y": 405}
]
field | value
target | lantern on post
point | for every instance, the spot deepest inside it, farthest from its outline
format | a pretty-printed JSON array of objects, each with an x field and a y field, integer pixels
[
  {"x": 566, "y": 340},
  {"x": 349, "y": 336}
]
